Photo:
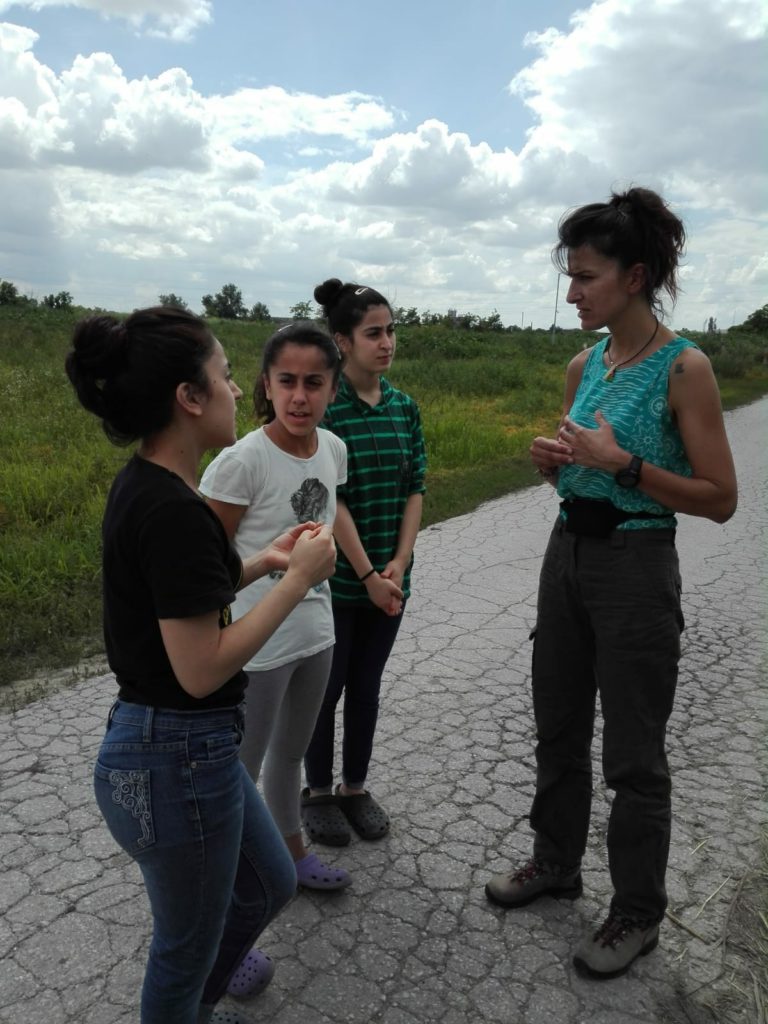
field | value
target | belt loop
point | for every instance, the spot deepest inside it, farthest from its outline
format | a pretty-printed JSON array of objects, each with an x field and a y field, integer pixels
[
  {"x": 149, "y": 714},
  {"x": 111, "y": 714}
]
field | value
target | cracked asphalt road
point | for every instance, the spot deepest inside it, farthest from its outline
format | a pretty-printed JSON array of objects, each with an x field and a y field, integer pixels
[{"x": 414, "y": 940}]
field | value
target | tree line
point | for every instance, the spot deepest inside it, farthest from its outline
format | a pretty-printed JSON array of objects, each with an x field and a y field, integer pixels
[
  {"x": 228, "y": 304},
  {"x": 10, "y": 296}
]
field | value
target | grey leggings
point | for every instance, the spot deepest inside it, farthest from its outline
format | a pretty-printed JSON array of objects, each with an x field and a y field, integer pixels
[{"x": 282, "y": 705}]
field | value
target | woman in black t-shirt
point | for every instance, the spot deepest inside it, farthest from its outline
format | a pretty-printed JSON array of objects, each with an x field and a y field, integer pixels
[{"x": 168, "y": 778}]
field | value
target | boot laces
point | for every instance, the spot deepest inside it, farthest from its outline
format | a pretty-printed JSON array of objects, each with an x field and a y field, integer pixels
[
  {"x": 615, "y": 928},
  {"x": 529, "y": 871}
]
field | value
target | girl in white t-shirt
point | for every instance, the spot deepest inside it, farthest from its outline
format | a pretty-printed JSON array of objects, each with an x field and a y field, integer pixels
[{"x": 285, "y": 473}]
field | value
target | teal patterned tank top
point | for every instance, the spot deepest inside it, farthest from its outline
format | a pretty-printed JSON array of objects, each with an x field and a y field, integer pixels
[{"x": 635, "y": 404}]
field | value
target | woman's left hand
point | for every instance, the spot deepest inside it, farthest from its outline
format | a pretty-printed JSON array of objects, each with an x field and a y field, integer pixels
[
  {"x": 393, "y": 571},
  {"x": 275, "y": 557},
  {"x": 595, "y": 448}
]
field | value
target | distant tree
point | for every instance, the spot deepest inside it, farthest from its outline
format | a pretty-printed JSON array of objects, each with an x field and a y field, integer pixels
[
  {"x": 301, "y": 311},
  {"x": 259, "y": 312},
  {"x": 757, "y": 321},
  {"x": 492, "y": 322},
  {"x": 9, "y": 294},
  {"x": 226, "y": 304},
  {"x": 171, "y": 299},
  {"x": 468, "y": 321},
  {"x": 62, "y": 300},
  {"x": 410, "y": 317}
]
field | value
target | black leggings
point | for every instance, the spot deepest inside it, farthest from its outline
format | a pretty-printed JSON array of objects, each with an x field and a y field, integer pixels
[{"x": 364, "y": 640}]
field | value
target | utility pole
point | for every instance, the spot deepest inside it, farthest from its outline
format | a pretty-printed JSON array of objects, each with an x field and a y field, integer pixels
[{"x": 554, "y": 320}]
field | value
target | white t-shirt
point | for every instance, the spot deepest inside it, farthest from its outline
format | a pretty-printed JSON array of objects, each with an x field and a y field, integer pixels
[{"x": 280, "y": 490}]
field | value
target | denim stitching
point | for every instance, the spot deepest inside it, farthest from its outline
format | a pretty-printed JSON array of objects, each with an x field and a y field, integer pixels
[{"x": 130, "y": 791}]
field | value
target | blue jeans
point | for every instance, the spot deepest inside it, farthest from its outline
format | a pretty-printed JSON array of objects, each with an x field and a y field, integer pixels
[
  {"x": 177, "y": 799},
  {"x": 608, "y": 622},
  {"x": 364, "y": 640}
]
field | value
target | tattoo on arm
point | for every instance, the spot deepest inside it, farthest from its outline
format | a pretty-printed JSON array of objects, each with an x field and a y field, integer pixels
[{"x": 679, "y": 368}]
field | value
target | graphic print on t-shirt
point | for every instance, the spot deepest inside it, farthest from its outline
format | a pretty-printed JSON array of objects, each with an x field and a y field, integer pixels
[
  {"x": 309, "y": 504},
  {"x": 310, "y": 501}
]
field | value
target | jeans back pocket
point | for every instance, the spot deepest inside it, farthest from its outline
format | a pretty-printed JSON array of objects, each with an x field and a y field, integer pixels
[{"x": 124, "y": 797}]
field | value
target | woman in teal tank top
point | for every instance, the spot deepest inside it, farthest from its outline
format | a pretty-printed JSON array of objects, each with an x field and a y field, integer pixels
[{"x": 640, "y": 439}]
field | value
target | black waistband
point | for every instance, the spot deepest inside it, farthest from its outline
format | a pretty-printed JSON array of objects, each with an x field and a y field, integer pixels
[{"x": 591, "y": 518}]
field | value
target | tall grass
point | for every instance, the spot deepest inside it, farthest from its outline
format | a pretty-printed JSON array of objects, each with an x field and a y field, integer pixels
[{"x": 483, "y": 397}]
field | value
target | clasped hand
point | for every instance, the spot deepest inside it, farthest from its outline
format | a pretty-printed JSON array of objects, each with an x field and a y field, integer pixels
[
  {"x": 309, "y": 547},
  {"x": 595, "y": 448},
  {"x": 386, "y": 592}
]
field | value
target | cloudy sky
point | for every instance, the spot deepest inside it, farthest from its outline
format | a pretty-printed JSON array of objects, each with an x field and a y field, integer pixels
[{"x": 427, "y": 147}]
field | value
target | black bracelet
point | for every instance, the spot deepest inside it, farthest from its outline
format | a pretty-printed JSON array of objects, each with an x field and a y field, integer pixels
[{"x": 365, "y": 577}]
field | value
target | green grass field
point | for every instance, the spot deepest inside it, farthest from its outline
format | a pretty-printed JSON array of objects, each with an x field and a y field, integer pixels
[{"x": 483, "y": 398}]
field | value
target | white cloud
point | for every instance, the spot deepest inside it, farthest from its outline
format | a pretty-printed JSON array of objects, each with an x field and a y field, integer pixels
[
  {"x": 172, "y": 19},
  {"x": 662, "y": 88},
  {"x": 93, "y": 116},
  {"x": 251, "y": 115},
  {"x": 429, "y": 168},
  {"x": 153, "y": 186}
]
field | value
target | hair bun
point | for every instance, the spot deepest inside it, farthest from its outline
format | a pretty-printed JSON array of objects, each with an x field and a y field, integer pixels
[
  {"x": 328, "y": 293},
  {"x": 99, "y": 346}
]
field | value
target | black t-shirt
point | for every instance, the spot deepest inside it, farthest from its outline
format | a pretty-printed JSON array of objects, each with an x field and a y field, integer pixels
[{"x": 166, "y": 556}]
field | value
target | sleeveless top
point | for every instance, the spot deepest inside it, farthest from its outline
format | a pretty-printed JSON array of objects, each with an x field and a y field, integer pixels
[{"x": 635, "y": 403}]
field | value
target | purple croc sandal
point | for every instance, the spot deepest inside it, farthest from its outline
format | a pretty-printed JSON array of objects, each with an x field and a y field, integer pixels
[
  {"x": 252, "y": 976},
  {"x": 311, "y": 873}
]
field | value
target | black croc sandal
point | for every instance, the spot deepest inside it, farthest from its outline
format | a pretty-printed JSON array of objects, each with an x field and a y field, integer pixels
[
  {"x": 367, "y": 818},
  {"x": 323, "y": 820}
]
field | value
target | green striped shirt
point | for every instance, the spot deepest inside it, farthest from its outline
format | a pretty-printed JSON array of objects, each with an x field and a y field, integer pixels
[{"x": 387, "y": 463}]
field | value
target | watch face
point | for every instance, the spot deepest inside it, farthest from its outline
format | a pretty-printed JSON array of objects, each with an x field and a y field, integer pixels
[
  {"x": 627, "y": 478},
  {"x": 630, "y": 475}
]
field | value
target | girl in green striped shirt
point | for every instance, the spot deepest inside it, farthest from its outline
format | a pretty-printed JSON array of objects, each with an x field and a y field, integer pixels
[{"x": 377, "y": 520}]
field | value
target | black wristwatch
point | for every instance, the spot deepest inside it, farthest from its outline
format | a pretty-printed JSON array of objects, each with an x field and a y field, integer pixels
[{"x": 630, "y": 475}]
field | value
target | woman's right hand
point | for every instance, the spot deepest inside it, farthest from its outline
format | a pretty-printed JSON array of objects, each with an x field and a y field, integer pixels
[
  {"x": 385, "y": 594},
  {"x": 313, "y": 556},
  {"x": 549, "y": 454}
]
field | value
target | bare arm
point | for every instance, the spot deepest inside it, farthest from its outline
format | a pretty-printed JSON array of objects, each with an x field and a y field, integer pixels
[
  {"x": 409, "y": 529},
  {"x": 694, "y": 399},
  {"x": 383, "y": 592},
  {"x": 229, "y": 514},
  {"x": 204, "y": 656}
]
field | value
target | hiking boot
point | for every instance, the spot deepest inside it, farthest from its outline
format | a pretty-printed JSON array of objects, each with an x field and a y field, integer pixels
[
  {"x": 613, "y": 948},
  {"x": 534, "y": 879}
]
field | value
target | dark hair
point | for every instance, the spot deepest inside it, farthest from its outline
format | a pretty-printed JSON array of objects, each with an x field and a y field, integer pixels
[
  {"x": 300, "y": 332},
  {"x": 126, "y": 372},
  {"x": 635, "y": 226},
  {"x": 345, "y": 305}
]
